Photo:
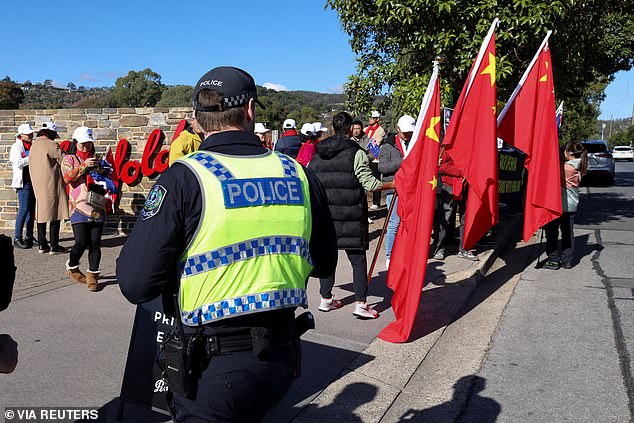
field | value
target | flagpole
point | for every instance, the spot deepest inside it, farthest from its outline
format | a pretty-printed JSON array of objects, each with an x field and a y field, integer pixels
[
  {"x": 383, "y": 230},
  {"x": 521, "y": 83}
]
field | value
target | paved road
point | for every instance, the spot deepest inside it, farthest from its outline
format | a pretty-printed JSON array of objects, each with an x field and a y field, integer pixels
[{"x": 563, "y": 349}]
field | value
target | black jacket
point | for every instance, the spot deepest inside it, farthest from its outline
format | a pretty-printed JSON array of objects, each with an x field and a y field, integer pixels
[
  {"x": 390, "y": 159},
  {"x": 147, "y": 265},
  {"x": 334, "y": 165},
  {"x": 289, "y": 145}
]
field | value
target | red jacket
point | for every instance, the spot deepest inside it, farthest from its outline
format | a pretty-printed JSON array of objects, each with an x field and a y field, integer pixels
[{"x": 451, "y": 175}]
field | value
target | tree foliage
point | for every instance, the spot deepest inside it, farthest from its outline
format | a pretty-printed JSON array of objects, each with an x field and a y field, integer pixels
[
  {"x": 138, "y": 89},
  {"x": 11, "y": 95},
  {"x": 396, "y": 41},
  {"x": 625, "y": 137},
  {"x": 177, "y": 96}
]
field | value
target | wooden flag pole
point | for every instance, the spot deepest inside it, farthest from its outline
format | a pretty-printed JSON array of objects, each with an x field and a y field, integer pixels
[{"x": 378, "y": 245}]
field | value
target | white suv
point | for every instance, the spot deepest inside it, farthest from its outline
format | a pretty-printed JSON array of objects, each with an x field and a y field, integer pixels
[{"x": 623, "y": 152}]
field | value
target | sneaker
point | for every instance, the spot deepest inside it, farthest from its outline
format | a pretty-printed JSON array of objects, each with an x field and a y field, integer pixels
[
  {"x": 364, "y": 311},
  {"x": 387, "y": 263},
  {"x": 468, "y": 255},
  {"x": 370, "y": 221},
  {"x": 19, "y": 243},
  {"x": 566, "y": 265},
  {"x": 374, "y": 207},
  {"x": 551, "y": 265},
  {"x": 329, "y": 305},
  {"x": 30, "y": 242},
  {"x": 43, "y": 249},
  {"x": 440, "y": 254},
  {"x": 58, "y": 250}
]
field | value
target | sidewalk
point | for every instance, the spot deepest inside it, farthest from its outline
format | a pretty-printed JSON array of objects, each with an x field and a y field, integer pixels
[{"x": 75, "y": 346}]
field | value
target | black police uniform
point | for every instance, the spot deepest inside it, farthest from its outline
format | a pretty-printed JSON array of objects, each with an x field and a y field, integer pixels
[{"x": 237, "y": 386}]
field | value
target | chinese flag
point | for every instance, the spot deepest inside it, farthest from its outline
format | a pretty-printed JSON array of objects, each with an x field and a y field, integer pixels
[
  {"x": 471, "y": 142},
  {"x": 529, "y": 123},
  {"x": 415, "y": 183}
]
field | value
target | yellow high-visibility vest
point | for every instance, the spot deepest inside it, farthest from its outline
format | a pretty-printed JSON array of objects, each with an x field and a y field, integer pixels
[{"x": 250, "y": 252}]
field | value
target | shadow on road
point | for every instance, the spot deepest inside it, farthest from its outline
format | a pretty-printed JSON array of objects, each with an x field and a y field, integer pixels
[
  {"x": 467, "y": 398},
  {"x": 596, "y": 208}
]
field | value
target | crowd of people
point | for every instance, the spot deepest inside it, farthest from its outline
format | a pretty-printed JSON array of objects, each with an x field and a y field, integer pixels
[{"x": 55, "y": 184}]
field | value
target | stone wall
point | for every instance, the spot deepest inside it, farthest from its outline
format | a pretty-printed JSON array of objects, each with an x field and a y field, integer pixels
[{"x": 109, "y": 126}]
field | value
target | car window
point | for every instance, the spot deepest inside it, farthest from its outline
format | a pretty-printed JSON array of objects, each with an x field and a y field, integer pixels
[
  {"x": 623, "y": 148},
  {"x": 595, "y": 148}
]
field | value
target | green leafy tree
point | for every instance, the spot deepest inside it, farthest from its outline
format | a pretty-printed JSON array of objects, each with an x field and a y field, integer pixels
[
  {"x": 622, "y": 138},
  {"x": 11, "y": 95},
  {"x": 138, "y": 89},
  {"x": 177, "y": 96},
  {"x": 396, "y": 41}
]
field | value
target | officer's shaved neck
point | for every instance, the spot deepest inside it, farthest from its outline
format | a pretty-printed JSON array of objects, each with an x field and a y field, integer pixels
[{"x": 248, "y": 124}]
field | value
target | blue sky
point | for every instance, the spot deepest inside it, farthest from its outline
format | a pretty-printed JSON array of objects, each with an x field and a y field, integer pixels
[
  {"x": 292, "y": 44},
  {"x": 296, "y": 44}
]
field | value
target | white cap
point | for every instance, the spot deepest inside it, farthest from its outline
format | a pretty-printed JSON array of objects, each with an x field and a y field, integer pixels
[
  {"x": 25, "y": 129},
  {"x": 375, "y": 114},
  {"x": 260, "y": 129},
  {"x": 83, "y": 134},
  {"x": 406, "y": 123},
  {"x": 289, "y": 124},
  {"x": 49, "y": 125},
  {"x": 308, "y": 129},
  {"x": 319, "y": 127}
]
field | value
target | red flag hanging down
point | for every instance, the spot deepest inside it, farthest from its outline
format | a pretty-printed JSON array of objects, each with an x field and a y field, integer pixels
[
  {"x": 471, "y": 142},
  {"x": 415, "y": 183},
  {"x": 529, "y": 122}
]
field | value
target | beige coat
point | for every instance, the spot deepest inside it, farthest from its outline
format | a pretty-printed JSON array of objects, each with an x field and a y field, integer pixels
[{"x": 45, "y": 160}]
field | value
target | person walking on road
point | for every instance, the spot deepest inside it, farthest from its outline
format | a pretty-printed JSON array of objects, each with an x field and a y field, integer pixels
[
  {"x": 45, "y": 161},
  {"x": 342, "y": 166},
  {"x": 234, "y": 230},
  {"x": 574, "y": 166},
  {"x": 21, "y": 182}
]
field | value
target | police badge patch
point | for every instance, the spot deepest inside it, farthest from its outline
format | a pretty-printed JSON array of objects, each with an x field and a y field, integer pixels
[{"x": 153, "y": 202}]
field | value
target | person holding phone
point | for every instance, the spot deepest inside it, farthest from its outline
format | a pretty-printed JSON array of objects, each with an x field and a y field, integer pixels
[{"x": 87, "y": 207}]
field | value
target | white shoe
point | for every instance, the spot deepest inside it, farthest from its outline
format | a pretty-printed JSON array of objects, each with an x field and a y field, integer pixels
[
  {"x": 387, "y": 263},
  {"x": 374, "y": 207},
  {"x": 370, "y": 221},
  {"x": 329, "y": 305},
  {"x": 364, "y": 311}
]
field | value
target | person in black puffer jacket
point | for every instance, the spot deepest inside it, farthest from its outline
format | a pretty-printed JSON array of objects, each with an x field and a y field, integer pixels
[{"x": 344, "y": 170}]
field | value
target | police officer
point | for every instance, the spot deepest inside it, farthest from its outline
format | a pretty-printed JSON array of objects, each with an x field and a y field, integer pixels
[{"x": 235, "y": 230}]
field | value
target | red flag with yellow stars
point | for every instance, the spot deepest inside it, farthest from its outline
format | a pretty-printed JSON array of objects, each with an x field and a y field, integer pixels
[
  {"x": 471, "y": 142},
  {"x": 415, "y": 182},
  {"x": 529, "y": 122}
]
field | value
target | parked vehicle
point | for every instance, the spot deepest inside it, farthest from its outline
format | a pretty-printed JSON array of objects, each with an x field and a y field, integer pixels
[
  {"x": 600, "y": 161},
  {"x": 623, "y": 152}
]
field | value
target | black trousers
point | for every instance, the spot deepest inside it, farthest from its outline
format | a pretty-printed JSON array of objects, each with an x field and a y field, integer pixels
[
  {"x": 359, "y": 264},
  {"x": 87, "y": 235},
  {"x": 564, "y": 223},
  {"x": 238, "y": 387},
  {"x": 53, "y": 232}
]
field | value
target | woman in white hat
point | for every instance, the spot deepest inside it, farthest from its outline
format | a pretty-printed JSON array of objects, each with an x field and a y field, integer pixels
[
  {"x": 262, "y": 132},
  {"x": 19, "y": 158},
  {"x": 87, "y": 207}
]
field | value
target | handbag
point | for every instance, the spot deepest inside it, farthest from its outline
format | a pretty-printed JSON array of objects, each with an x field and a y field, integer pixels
[{"x": 96, "y": 200}]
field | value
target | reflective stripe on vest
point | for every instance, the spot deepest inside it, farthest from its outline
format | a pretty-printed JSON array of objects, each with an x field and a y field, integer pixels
[{"x": 250, "y": 252}]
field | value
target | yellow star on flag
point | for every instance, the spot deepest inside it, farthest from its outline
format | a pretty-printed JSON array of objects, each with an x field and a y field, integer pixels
[
  {"x": 545, "y": 77},
  {"x": 431, "y": 131},
  {"x": 433, "y": 183},
  {"x": 490, "y": 69}
]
